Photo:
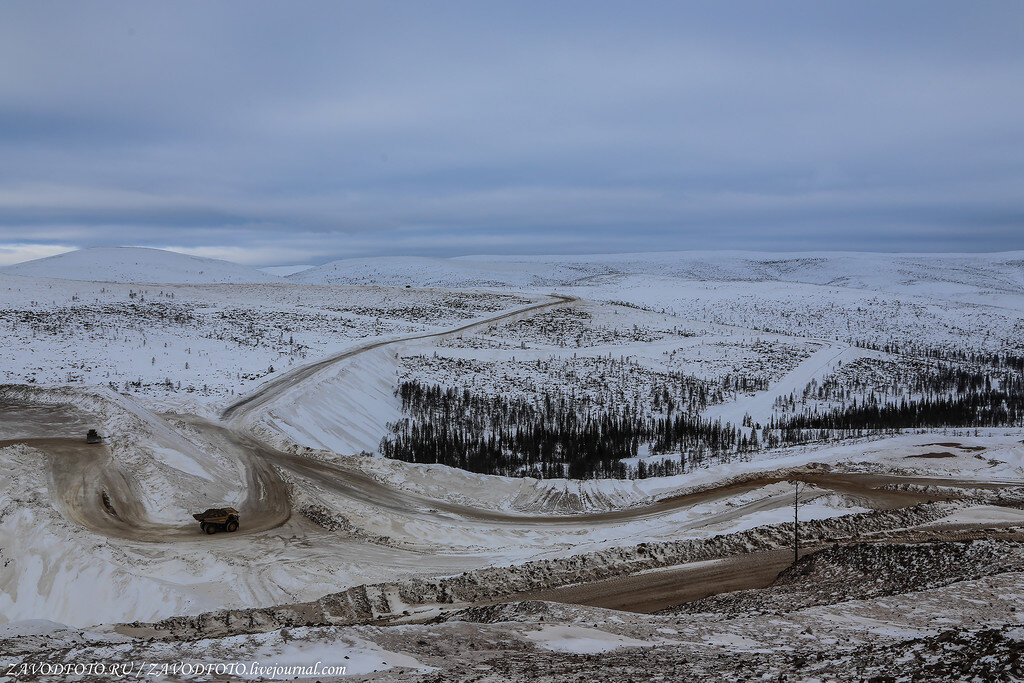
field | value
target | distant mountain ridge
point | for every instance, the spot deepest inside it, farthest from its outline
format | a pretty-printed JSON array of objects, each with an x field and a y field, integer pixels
[
  {"x": 138, "y": 264},
  {"x": 925, "y": 273},
  {"x": 999, "y": 271}
]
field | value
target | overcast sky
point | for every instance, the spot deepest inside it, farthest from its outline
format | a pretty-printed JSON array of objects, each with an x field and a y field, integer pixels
[{"x": 300, "y": 132}]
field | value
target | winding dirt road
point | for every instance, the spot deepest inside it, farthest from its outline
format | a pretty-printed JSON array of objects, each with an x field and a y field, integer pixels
[
  {"x": 272, "y": 389},
  {"x": 658, "y": 589},
  {"x": 87, "y": 488},
  {"x": 90, "y": 491},
  {"x": 863, "y": 488}
]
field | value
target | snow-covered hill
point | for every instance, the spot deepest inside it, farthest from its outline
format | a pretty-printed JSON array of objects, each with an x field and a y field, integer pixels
[
  {"x": 137, "y": 264},
  {"x": 421, "y": 271},
  {"x": 929, "y": 274},
  {"x": 284, "y": 271},
  {"x": 910, "y": 273}
]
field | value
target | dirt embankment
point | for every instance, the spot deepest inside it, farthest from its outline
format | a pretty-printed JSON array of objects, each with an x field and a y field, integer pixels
[
  {"x": 369, "y": 603},
  {"x": 863, "y": 571}
]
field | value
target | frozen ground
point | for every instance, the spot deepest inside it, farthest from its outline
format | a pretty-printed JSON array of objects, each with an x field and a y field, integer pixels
[
  {"x": 136, "y": 264},
  {"x": 881, "y": 272},
  {"x": 178, "y": 377},
  {"x": 936, "y": 299},
  {"x": 191, "y": 347},
  {"x": 837, "y": 615}
]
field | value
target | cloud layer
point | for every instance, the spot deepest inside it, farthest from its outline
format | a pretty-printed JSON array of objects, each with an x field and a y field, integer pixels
[{"x": 299, "y": 132}]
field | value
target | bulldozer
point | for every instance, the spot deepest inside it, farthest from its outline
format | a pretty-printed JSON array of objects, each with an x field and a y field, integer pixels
[{"x": 218, "y": 519}]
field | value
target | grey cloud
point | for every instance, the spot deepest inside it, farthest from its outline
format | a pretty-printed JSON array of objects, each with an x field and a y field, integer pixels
[{"x": 515, "y": 126}]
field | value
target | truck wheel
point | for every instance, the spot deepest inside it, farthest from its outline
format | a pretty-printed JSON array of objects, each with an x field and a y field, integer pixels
[
  {"x": 211, "y": 529},
  {"x": 232, "y": 526}
]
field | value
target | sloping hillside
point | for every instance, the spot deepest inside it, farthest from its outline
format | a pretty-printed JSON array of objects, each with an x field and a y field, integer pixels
[
  {"x": 1003, "y": 272},
  {"x": 397, "y": 271},
  {"x": 137, "y": 264}
]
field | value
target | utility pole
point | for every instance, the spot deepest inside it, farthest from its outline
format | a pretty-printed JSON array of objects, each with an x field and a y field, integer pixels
[{"x": 796, "y": 520}]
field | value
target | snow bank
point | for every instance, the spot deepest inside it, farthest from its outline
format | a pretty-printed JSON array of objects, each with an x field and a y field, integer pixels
[
  {"x": 49, "y": 568},
  {"x": 495, "y": 492},
  {"x": 344, "y": 410},
  {"x": 982, "y": 514}
]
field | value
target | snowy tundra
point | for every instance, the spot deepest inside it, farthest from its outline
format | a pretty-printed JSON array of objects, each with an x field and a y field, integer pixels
[{"x": 215, "y": 384}]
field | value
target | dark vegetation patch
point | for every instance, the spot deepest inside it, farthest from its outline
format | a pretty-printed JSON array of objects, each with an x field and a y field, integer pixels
[{"x": 516, "y": 437}]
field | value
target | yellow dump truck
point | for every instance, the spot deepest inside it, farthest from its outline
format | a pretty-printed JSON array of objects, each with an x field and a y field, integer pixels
[{"x": 218, "y": 519}]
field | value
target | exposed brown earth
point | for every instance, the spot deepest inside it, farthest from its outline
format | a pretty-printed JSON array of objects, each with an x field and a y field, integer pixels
[
  {"x": 418, "y": 598},
  {"x": 954, "y": 444}
]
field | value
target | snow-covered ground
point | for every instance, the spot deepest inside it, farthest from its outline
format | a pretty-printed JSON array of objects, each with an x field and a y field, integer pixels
[
  {"x": 940, "y": 299},
  {"x": 305, "y": 557},
  {"x": 193, "y": 347},
  {"x": 905, "y": 273},
  {"x": 137, "y": 264},
  {"x": 101, "y": 536}
]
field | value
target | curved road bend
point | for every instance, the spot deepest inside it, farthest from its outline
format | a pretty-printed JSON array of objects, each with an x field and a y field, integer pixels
[
  {"x": 84, "y": 475},
  {"x": 352, "y": 483},
  {"x": 87, "y": 489},
  {"x": 271, "y": 389}
]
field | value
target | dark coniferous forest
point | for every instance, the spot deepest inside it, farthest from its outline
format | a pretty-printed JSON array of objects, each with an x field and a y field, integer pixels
[
  {"x": 558, "y": 437},
  {"x": 513, "y": 437}
]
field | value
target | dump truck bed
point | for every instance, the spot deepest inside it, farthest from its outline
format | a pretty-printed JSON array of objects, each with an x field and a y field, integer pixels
[{"x": 215, "y": 515}]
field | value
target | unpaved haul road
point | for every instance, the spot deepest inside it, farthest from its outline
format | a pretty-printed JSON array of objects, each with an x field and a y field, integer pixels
[
  {"x": 271, "y": 390},
  {"x": 267, "y": 504},
  {"x": 356, "y": 485},
  {"x": 658, "y": 589},
  {"x": 90, "y": 491}
]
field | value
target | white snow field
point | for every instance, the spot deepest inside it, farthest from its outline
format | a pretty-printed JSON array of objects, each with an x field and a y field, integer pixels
[
  {"x": 216, "y": 384},
  {"x": 930, "y": 274},
  {"x": 138, "y": 264}
]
